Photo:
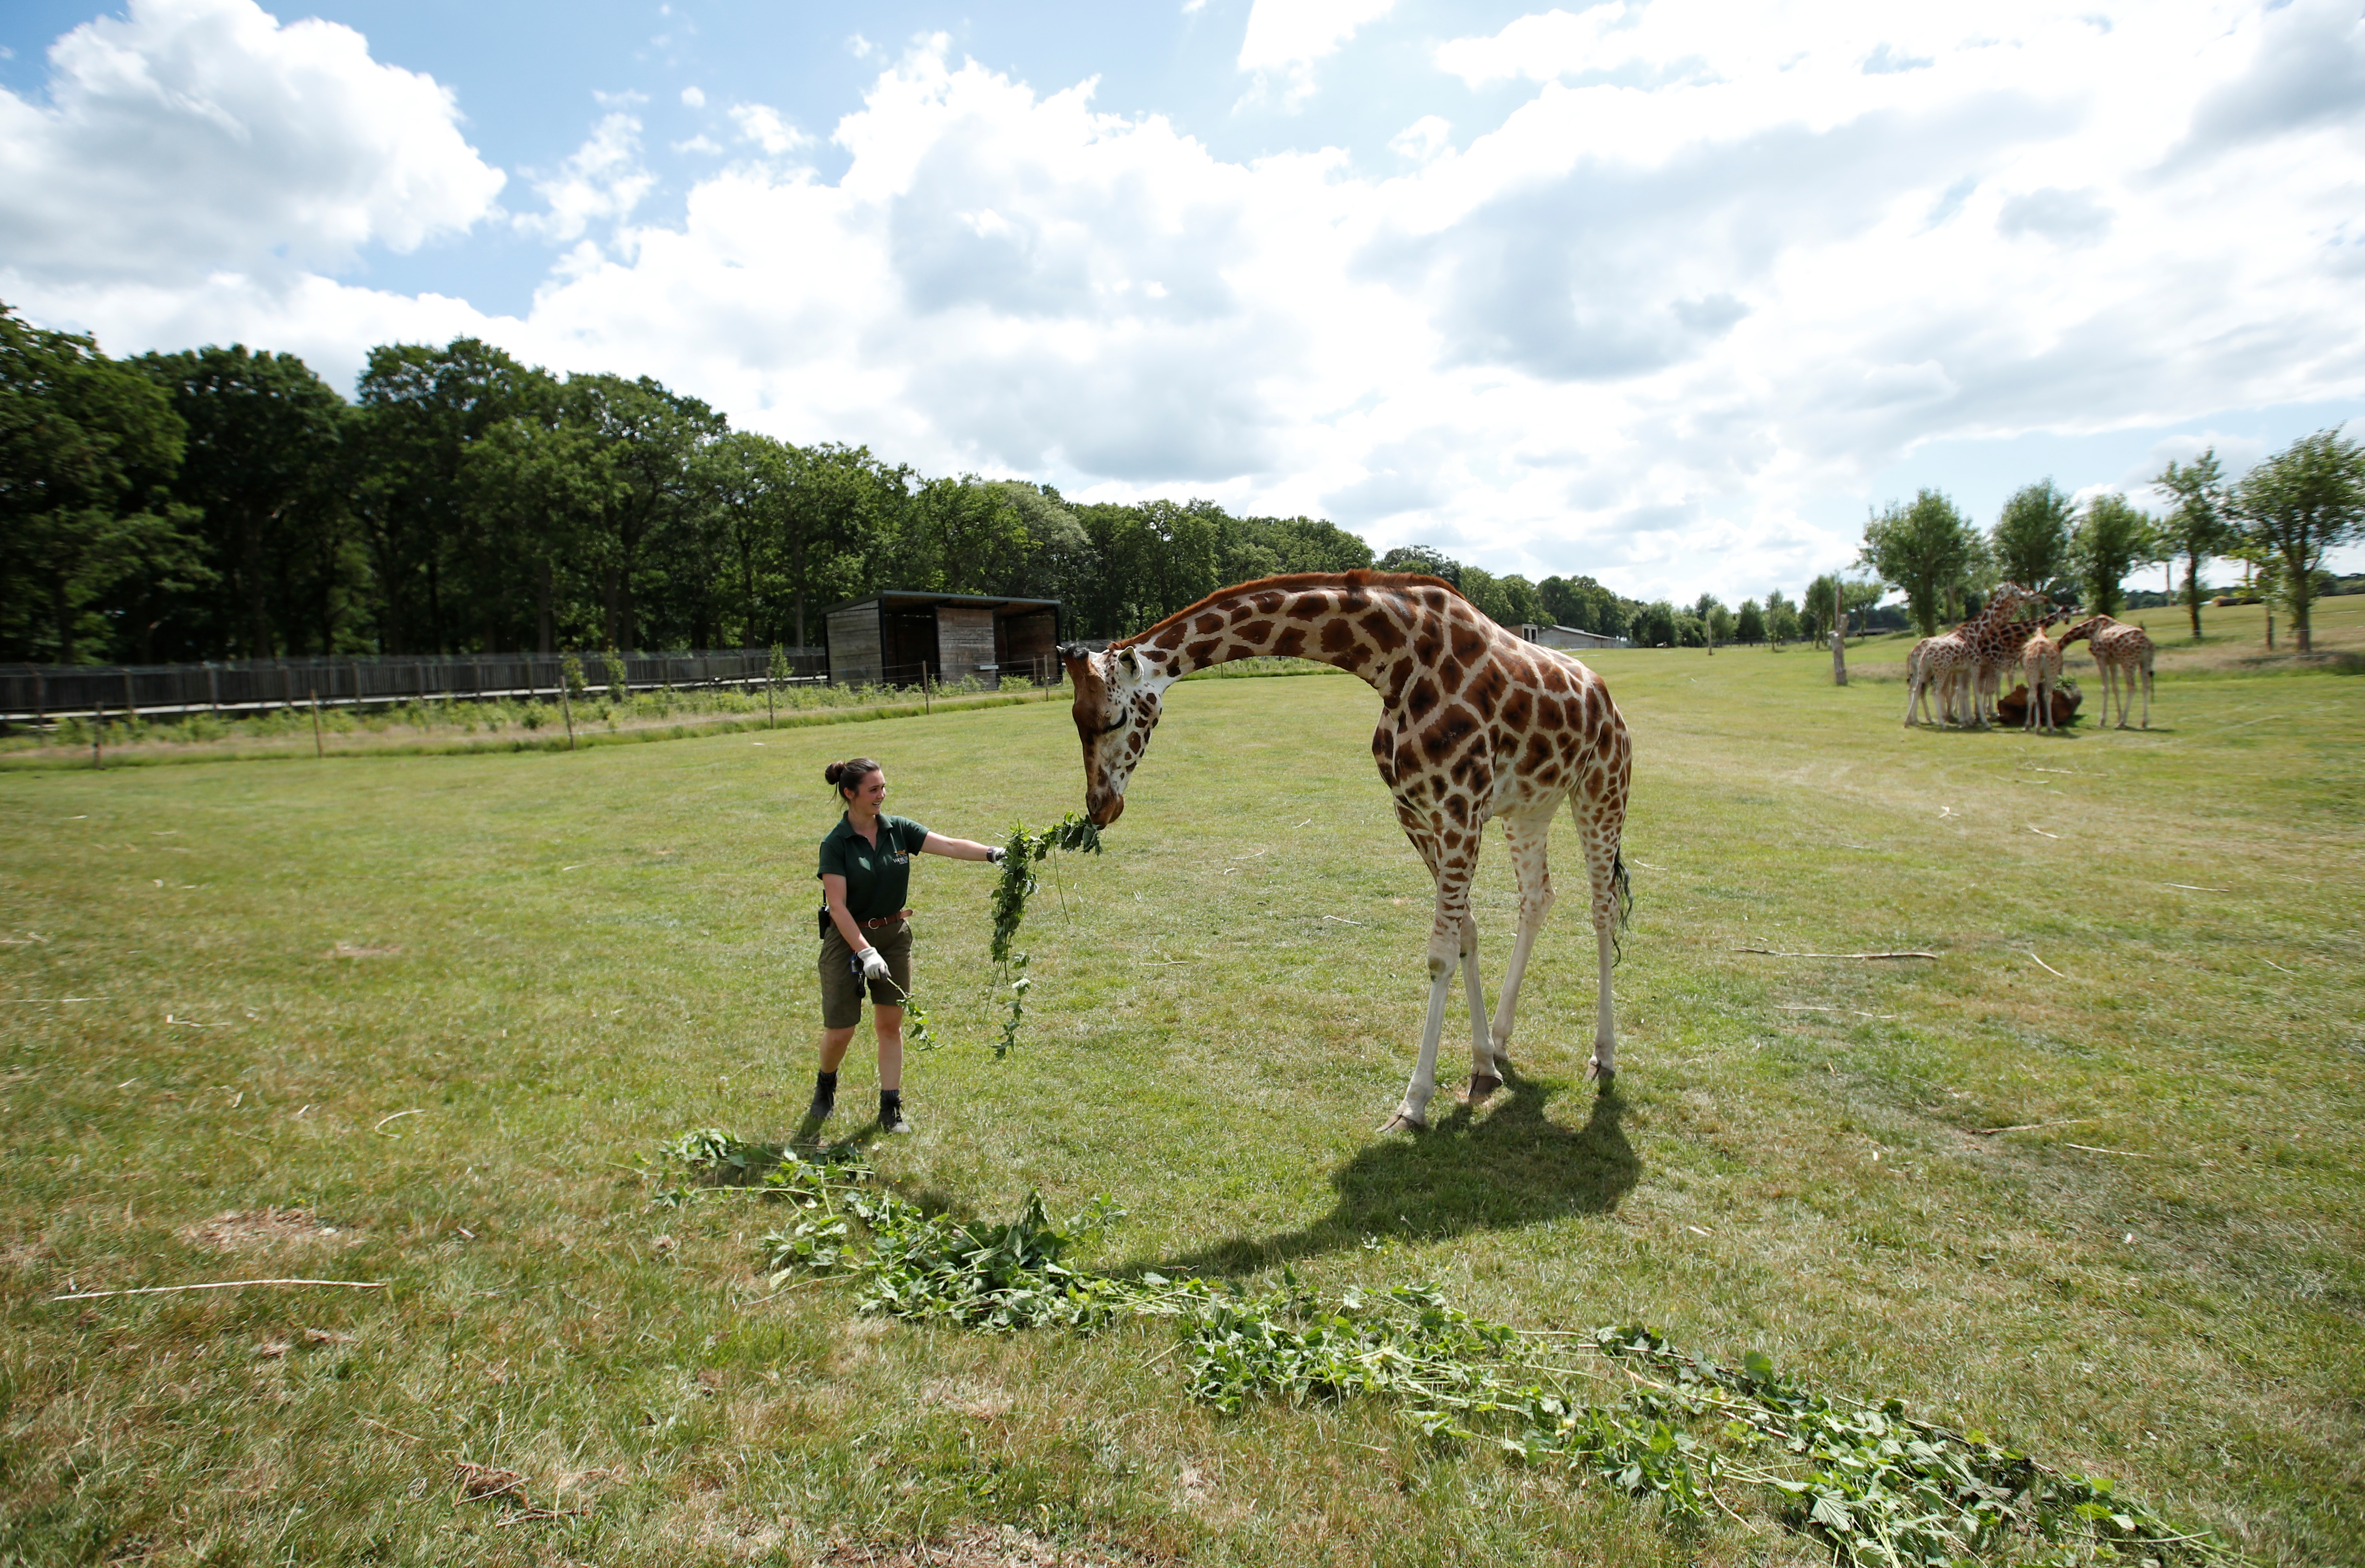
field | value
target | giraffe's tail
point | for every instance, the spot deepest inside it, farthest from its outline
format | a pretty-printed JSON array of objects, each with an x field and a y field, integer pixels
[{"x": 1621, "y": 891}]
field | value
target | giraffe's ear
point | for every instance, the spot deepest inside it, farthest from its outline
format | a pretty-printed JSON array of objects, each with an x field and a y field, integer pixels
[{"x": 1132, "y": 662}]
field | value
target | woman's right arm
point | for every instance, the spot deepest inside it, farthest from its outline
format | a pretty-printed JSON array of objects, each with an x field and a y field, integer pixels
[{"x": 833, "y": 889}]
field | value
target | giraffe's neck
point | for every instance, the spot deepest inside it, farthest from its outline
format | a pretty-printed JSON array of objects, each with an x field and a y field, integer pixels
[{"x": 1362, "y": 624}]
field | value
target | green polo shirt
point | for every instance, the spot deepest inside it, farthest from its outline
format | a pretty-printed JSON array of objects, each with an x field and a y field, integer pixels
[{"x": 878, "y": 879}]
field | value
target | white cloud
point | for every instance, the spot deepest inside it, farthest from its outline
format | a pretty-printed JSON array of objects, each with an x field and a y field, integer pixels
[
  {"x": 1706, "y": 274},
  {"x": 1284, "y": 38},
  {"x": 602, "y": 180},
  {"x": 189, "y": 135},
  {"x": 1424, "y": 139},
  {"x": 693, "y": 98},
  {"x": 765, "y": 127}
]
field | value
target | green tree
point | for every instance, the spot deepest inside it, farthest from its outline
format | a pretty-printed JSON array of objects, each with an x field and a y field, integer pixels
[
  {"x": 1927, "y": 550},
  {"x": 2299, "y": 505},
  {"x": 441, "y": 575},
  {"x": 2199, "y": 522},
  {"x": 1749, "y": 625},
  {"x": 1423, "y": 561},
  {"x": 643, "y": 538},
  {"x": 2112, "y": 539},
  {"x": 262, "y": 467},
  {"x": 2030, "y": 538},
  {"x": 88, "y": 447},
  {"x": 1655, "y": 626}
]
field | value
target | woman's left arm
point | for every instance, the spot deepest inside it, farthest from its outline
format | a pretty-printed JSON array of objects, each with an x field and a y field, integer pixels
[{"x": 958, "y": 849}]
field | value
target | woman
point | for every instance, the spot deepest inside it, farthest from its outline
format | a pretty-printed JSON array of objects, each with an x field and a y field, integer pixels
[{"x": 866, "y": 871}]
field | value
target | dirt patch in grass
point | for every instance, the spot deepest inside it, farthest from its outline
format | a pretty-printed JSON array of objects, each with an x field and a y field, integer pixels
[
  {"x": 263, "y": 1230},
  {"x": 981, "y": 1548},
  {"x": 348, "y": 950}
]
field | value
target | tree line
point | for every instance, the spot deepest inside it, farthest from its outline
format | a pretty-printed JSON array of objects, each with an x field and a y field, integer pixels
[
  {"x": 2280, "y": 521},
  {"x": 223, "y": 503}
]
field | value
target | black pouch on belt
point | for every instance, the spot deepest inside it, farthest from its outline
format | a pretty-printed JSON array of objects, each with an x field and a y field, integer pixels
[{"x": 824, "y": 921}]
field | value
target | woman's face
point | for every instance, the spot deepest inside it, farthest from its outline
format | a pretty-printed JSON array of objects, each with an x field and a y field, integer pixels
[{"x": 870, "y": 794}]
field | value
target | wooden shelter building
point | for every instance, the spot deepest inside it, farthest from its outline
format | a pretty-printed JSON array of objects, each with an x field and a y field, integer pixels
[{"x": 900, "y": 638}]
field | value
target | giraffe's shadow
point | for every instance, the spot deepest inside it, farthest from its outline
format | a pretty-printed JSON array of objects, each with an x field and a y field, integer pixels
[{"x": 1508, "y": 1165}]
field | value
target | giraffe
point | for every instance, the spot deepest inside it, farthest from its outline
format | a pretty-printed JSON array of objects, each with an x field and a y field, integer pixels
[
  {"x": 1970, "y": 658},
  {"x": 1475, "y": 725},
  {"x": 2040, "y": 663},
  {"x": 1997, "y": 635},
  {"x": 1936, "y": 664},
  {"x": 2122, "y": 651}
]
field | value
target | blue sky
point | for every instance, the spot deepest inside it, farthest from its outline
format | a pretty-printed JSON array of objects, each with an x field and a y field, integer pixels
[{"x": 1665, "y": 291}]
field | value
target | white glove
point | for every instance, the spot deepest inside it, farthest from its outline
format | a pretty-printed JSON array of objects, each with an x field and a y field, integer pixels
[
  {"x": 995, "y": 856},
  {"x": 874, "y": 964}
]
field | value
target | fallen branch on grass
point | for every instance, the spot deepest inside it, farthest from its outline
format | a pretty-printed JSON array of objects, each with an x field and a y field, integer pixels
[
  {"x": 2048, "y": 968},
  {"x": 397, "y": 1117},
  {"x": 2032, "y": 1126},
  {"x": 223, "y": 1285},
  {"x": 1776, "y": 953}
]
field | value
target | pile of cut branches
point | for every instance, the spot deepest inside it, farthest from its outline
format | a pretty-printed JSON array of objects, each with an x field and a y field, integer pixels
[{"x": 1619, "y": 1404}]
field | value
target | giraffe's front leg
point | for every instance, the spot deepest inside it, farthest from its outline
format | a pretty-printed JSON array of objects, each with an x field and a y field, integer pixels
[
  {"x": 1449, "y": 931},
  {"x": 1412, "y": 1112}
]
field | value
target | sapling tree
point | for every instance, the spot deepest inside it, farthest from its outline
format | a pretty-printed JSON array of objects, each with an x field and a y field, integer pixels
[
  {"x": 2112, "y": 540},
  {"x": 2200, "y": 522},
  {"x": 1927, "y": 550},
  {"x": 2030, "y": 538},
  {"x": 2299, "y": 504}
]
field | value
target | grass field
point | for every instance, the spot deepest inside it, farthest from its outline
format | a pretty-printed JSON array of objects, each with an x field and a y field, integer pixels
[{"x": 543, "y": 966}]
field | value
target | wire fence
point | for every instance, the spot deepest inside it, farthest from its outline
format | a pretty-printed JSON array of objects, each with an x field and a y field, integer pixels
[{"x": 44, "y": 693}]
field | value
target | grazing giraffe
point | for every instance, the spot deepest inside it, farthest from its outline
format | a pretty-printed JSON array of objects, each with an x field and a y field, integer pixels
[
  {"x": 2122, "y": 651},
  {"x": 2040, "y": 663},
  {"x": 1474, "y": 725},
  {"x": 1997, "y": 635}
]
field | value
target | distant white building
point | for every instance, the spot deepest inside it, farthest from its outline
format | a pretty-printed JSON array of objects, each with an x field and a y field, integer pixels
[{"x": 1569, "y": 637}]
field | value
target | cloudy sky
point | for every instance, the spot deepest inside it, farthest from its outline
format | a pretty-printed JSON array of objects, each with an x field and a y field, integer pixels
[{"x": 1665, "y": 291}]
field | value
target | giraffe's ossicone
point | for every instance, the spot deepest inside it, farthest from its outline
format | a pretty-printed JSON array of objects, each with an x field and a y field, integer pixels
[{"x": 1476, "y": 724}]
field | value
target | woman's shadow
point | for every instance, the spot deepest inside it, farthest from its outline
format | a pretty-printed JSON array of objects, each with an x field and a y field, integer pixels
[{"x": 1511, "y": 1166}]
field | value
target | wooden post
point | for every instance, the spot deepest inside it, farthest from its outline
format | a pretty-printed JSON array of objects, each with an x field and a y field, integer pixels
[
  {"x": 319, "y": 750},
  {"x": 97, "y": 718},
  {"x": 927, "y": 700},
  {"x": 213, "y": 688},
  {"x": 1839, "y": 637},
  {"x": 130, "y": 696},
  {"x": 566, "y": 706}
]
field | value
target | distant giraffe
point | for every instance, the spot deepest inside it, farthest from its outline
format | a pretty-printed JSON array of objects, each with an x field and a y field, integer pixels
[
  {"x": 2040, "y": 662},
  {"x": 1475, "y": 725},
  {"x": 1935, "y": 667},
  {"x": 2122, "y": 651},
  {"x": 1997, "y": 635}
]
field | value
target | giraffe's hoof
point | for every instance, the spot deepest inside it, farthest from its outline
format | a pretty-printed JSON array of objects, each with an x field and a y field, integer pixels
[
  {"x": 1481, "y": 1085},
  {"x": 1601, "y": 1078},
  {"x": 1403, "y": 1122}
]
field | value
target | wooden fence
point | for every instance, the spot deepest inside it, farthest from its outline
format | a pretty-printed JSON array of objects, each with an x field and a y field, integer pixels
[{"x": 39, "y": 693}]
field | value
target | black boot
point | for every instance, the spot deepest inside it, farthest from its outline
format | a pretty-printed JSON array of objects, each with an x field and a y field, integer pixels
[
  {"x": 890, "y": 1112},
  {"x": 824, "y": 1099}
]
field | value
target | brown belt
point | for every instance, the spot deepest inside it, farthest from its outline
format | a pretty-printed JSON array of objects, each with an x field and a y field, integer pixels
[{"x": 896, "y": 919}]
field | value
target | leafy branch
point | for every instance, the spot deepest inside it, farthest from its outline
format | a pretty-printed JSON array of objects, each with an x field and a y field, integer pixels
[{"x": 1021, "y": 853}]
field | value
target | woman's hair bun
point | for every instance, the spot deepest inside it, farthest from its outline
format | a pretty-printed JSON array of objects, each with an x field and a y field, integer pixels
[{"x": 849, "y": 774}]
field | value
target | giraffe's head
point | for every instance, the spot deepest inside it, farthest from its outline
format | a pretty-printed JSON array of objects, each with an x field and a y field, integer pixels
[{"x": 1118, "y": 693}]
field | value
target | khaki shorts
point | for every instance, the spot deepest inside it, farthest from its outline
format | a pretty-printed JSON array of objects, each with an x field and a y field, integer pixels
[{"x": 841, "y": 992}]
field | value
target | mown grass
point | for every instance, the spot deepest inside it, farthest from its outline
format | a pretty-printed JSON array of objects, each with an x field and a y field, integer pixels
[{"x": 560, "y": 962}]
